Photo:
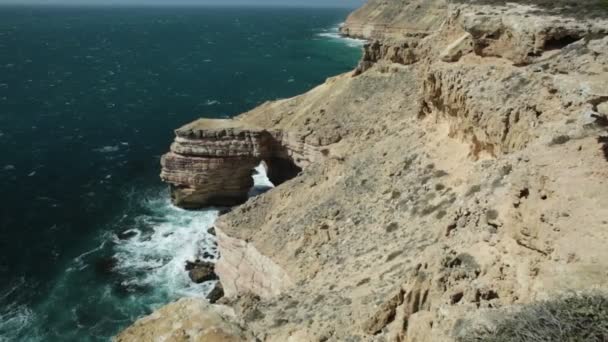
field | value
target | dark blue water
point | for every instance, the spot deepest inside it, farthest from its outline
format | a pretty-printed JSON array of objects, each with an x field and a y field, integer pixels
[{"x": 88, "y": 101}]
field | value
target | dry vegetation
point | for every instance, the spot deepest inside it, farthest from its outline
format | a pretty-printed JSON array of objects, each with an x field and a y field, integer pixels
[{"x": 572, "y": 318}]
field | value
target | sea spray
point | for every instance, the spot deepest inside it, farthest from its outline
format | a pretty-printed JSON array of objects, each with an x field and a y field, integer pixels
[
  {"x": 162, "y": 241},
  {"x": 334, "y": 34}
]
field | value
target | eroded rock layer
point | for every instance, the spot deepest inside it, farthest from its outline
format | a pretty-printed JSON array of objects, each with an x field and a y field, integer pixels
[{"x": 211, "y": 161}]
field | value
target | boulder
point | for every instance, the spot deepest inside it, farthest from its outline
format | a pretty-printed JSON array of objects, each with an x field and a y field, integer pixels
[
  {"x": 216, "y": 293},
  {"x": 200, "y": 271}
]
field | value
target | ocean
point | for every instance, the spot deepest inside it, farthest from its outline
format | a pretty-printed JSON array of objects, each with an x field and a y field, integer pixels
[{"x": 89, "y": 99}]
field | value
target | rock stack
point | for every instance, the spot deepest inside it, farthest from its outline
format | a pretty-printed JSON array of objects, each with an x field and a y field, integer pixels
[{"x": 211, "y": 161}]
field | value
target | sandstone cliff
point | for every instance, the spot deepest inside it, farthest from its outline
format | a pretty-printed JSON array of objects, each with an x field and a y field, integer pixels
[{"x": 458, "y": 173}]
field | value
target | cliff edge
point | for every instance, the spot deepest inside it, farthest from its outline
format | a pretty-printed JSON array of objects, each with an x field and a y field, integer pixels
[{"x": 456, "y": 178}]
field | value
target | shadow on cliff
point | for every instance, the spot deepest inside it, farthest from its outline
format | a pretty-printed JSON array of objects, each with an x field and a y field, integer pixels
[{"x": 603, "y": 141}]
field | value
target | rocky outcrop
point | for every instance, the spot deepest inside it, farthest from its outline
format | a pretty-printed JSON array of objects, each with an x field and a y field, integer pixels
[
  {"x": 187, "y": 320},
  {"x": 242, "y": 269},
  {"x": 211, "y": 161},
  {"x": 201, "y": 271},
  {"x": 393, "y": 20}
]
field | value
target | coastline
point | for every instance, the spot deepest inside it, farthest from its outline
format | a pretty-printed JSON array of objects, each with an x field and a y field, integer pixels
[
  {"x": 438, "y": 146},
  {"x": 109, "y": 245}
]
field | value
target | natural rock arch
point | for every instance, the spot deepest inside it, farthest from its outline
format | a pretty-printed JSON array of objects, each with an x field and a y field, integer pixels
[{"x": 211, "y": 161}]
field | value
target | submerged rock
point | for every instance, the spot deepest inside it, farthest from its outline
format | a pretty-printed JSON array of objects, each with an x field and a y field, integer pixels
[
  {"x": 127, "y": 234},
  {"x": 105, "y": 265}
]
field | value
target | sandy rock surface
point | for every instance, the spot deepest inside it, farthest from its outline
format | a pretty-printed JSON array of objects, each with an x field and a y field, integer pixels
[{"x": 187, "y": 320}]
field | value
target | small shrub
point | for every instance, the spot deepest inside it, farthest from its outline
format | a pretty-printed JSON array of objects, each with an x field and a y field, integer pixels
[
  {"x": 573, "y": 318},
  {"x": 559, "y": 140},
  {"x": 472, "y": 190}
]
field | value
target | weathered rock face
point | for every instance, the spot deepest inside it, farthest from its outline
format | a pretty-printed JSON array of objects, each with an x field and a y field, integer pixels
[
  {"x": 397, "y": 19},
  {"x": 211, "y": 161},
  {"x": 242, "y": 269},
  {"x": 187, "y": 320}
]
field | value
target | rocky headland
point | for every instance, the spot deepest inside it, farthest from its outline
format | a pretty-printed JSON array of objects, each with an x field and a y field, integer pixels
[{"x": 457, "y": 176}]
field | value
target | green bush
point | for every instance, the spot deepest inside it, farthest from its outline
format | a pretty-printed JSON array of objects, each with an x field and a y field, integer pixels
[{"x": 573, "y": 318}]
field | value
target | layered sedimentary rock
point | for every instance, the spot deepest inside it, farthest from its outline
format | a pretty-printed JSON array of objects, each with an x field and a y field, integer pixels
[
  {"x": 458, "y": 173},
  {"x": 396, "y": 19},
  {"x": 211, "y": 161}
]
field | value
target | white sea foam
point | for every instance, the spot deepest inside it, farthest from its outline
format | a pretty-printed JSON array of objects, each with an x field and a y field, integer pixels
[
  {"x": 15, "y": 319},
  {"x": 334, "y": 34},
  {"x": 107, "y": 149},
  {"x": 212, "y": 102},
  {"x": 260, "y": 178},
  {"x": 163, "y": 240}
]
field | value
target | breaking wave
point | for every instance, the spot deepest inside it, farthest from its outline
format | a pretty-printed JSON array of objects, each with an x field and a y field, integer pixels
[
  {"x": 15, "y": 319},
  {"x": 154, "y": 251},
  {"x": 334, "y": 34}
]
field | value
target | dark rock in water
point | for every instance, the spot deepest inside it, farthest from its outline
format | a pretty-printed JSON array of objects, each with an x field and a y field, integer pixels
[
  {"x": 211, "y": 231},
  {"x": 216, "y": 293},
  {"x": 225, "y": 211},
  {"x": 126, "y": 235},
  {"x": 208, "y": 255},
  {"x": 201, "y": 271},
  {"x": 105, "y": 265}
]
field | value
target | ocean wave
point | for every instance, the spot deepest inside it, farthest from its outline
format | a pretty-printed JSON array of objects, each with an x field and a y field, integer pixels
[
  {"x": 334, "y": 34},
  {"x": 107, "y": 149},
  {"x": 153, "y": 251},
  {"x": 212, "y": 102},
  {"x": 159, "y": 244},
  {"x": 16, "y": 319}
]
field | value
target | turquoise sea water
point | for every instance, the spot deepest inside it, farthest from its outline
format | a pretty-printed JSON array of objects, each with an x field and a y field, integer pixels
[{"x": 89, "y": 98}]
